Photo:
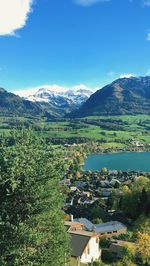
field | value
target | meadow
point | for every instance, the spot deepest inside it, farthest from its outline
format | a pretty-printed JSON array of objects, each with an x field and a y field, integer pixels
[{"x": 111, "y": 130}]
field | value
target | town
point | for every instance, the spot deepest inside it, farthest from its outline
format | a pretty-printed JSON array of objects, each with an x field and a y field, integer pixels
[{"x": 98, "y": 223}]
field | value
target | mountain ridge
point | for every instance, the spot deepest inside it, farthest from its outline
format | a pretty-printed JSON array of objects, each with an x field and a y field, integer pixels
[
  {"x": 122, "y": 96},
  {"x": 13, "y": 105},
  {"x": 58, "y": 100}
]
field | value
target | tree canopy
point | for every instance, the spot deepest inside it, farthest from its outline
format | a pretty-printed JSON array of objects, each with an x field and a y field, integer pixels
[{"x": 31, "y": 217}]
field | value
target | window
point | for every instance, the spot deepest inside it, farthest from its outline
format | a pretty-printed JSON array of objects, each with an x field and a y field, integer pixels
[
  {"x": 97, "y": 240},
  {"x": 88, "y": 251},
  {"x": 114, "y": 231}
]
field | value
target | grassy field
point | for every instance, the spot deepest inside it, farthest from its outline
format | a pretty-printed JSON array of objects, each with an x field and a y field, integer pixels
[{"x": 113, "y": 130}]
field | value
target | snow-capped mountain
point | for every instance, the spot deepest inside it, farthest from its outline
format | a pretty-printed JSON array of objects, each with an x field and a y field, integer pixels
[{"x": 59, "y": 99}]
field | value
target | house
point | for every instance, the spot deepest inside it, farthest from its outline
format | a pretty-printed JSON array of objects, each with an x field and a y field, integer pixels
[
  {"x": 114, "y": 181},
  {"x": 86, "y": 193},
  {"x": 79, "y": 184},
  {"x": 84, "y": 200},
  {"x": 86, "y": 223},
  {"x": 84, "y": 246},
  {"x": 110, "y": 228},
  {"x": 116, "y": 247},
  {"x": 137, "y": 143},
  {"x": 106, "y": 193},
  {"x": 113, "y": 172},
  {"x": 73, "y": 226},
  {"x": 73, "y": 189},
  {"x": 69, "y": 202}
]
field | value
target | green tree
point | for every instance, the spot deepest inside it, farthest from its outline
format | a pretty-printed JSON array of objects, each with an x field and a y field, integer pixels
[
  {"x": 136, "y": 200},
  {"x": 143, "y": 247},
  {"x": 31, "y": 217}
]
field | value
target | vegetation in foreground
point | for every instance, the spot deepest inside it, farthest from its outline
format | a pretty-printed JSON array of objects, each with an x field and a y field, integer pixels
[{"x": 31, "y": 217}]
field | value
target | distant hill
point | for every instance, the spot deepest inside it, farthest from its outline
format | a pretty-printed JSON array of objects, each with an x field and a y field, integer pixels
[
  {"x": 13, "y": 105},
  {"x": 121, "y": 97}
]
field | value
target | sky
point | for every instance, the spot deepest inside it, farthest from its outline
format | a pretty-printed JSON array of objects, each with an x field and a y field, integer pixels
[{"x": 72, "y": 42}]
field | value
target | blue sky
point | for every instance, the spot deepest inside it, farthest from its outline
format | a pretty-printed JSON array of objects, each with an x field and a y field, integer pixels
[{"x": 70, "y": 42}]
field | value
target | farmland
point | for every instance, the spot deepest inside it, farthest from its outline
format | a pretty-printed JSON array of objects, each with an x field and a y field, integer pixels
[{"x": 112, "y": 131}]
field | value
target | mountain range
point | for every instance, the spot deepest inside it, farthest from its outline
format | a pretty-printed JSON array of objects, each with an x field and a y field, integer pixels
[
  {"x": 125, "y": 96},
  {"x": 56, "y": 100}
]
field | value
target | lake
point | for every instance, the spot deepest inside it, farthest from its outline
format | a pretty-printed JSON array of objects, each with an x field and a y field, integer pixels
[{"x": 125, "y": 161}]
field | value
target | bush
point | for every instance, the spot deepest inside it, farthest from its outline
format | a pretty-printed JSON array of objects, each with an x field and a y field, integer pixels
[
  {"x": 107, "y": 256},
  {"x": 104, "y": 242},
  {"x": 98, "y": 263}
]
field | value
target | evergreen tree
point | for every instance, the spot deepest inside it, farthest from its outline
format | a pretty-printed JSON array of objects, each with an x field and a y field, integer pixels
[{"x": 31, "y": 217}]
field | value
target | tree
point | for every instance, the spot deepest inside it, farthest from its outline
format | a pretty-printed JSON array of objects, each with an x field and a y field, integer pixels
[
  {"x": 128, "y": 255},
  {"x": 31, "y": 217},
  {"x": 104, "y": 170},
  {"x": 142, "y": 225},
  {"x": 136, "y": 200},
  {"x": 143, "y": 247},
  {"x": 78, "y": 175},
  {"x": 143, "y": 198},
  {"x": 129, "y": 252}
]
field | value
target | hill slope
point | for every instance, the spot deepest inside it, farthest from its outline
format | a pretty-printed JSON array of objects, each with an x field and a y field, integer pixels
[
  {"x": 123, "y": 96},
  {"x": 12, "y": 105}
]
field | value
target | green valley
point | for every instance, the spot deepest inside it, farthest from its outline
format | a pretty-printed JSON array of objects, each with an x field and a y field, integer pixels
[{"x": 110, "y": 131}]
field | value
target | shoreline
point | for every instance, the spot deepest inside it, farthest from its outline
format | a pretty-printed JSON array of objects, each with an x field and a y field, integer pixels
[{"x": 118, "y": 153}]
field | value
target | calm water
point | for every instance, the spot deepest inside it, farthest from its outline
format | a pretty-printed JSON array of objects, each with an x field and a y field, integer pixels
[{"x": 137, "y": 161}]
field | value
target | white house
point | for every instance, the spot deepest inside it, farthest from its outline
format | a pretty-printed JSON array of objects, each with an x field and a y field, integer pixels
[{"x": 84, "y": 246}]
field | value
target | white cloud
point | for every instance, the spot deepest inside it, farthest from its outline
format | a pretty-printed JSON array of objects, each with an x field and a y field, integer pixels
[
  {"x": 54, "y": 88},
  {"x": 80, "y": 87},
  {"x": 146, "y": 2},
  {"x": 116, "y": 75},
  {"x": 13, "y": 15},
  {"x": 148, "y": 72},
  {"x": 92, "y": 2},
  {"x": 89, "y": 2},
  {"x": 112, "y": 74},
  {"x": 31, "y": 91},
  {"x": 148, "y": 37},
  {"x": 127, "y": 75}
]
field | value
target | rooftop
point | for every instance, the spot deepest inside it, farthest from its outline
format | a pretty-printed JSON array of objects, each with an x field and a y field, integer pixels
[
  {"x": 78, "y": 243},
  {"x": 70, "y": 223},
  {"x": 109, "y": 227},
  {"x": 88, "y": 225},
  {"x": 83, "y": 233}
]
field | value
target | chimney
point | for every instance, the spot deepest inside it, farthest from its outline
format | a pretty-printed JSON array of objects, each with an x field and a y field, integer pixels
[{"x": 71, "y": 218}]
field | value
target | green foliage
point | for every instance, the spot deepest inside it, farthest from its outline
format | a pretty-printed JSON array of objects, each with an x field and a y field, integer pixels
[
  {"x": 142, "y": 225},
  {"x": 112, "y": 132},
  {"x": 32, "y": 231},
  {"x": 104, "y": 242},
  {"x": 98, "y": 263},
  {"x": 107, "y": 256},
  {"x": 136, "y": 200}
]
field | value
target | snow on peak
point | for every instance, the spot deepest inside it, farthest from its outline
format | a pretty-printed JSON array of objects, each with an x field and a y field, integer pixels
[{"x": 54, "y": 93}]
